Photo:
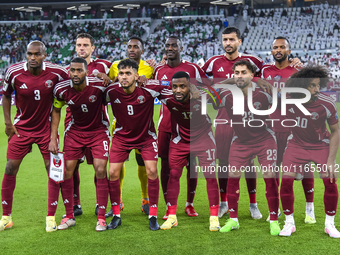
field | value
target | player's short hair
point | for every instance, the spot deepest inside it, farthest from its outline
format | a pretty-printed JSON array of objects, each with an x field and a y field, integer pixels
[
  {"x": 38, "y": 43},
  {"x": 125, "y": 63},
  {"x": 86, "y": 35},
  {"x": 79, "y": 60},
  {"x": 179, "y": 41},
  {"x": 282, "y": 38},
  {"x": 181, "y": 74},
  {"x": 246, "y": 63},
  {"x": 137, "y": 38},
  {"x": 229, "y": 30},
  {"x": 302, "y": 78}
]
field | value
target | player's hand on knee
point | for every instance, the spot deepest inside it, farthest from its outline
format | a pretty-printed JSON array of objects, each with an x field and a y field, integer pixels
[
  {"x": 53, "y": 146},
  {"x": 11, "y": 130}
]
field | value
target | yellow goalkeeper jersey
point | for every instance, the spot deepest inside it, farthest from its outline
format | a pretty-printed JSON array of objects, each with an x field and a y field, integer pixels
[{"x": 143, "y": 69}]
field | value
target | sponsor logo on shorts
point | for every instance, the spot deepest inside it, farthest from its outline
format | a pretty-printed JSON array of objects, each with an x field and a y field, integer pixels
[
  {"x": 4, "y": 202},
  {"x": 54, "y": 203},
  {"x": 48, "y": 84},
  {"x": 92, "y": 98},
  {"x": 66, "y": 201},
  {"x": 114, "y": 203},
  {"x": 154, "y": 206},
  {"x": 141, "y": 99}
]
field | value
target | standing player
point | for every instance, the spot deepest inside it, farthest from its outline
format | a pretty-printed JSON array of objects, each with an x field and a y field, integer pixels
[
  {"x": 134, "y": 51},
  {"x": 220, "y": 67},
  {"x": 311, "y": 141},
  {"x": 33, "y": 82},
  {"x": 191, "y": 137},
  {"x": 88, "y": 130},
  {"x": 277, "y": 74},
  {"x": 97, "y": 68},
  {"x": 133, "y": 108},
  {"x": 250, "y": 140},
  {"x": 164, "y": 72}
]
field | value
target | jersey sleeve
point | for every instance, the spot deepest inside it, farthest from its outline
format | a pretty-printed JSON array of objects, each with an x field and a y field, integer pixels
[
  {"x": 207, "y": 67},
  {"x": 8, "y": 83},
  {"x": 64, "y": 75},
  {"x": 332, "y": 115},
  {"x": 114, "y": 70}
]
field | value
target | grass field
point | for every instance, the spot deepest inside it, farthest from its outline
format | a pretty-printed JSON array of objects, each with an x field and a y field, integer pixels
[{"x": 192, "y": 235}]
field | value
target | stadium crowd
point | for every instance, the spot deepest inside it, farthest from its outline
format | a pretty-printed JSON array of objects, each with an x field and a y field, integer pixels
[{"x": 183, "y": 132}]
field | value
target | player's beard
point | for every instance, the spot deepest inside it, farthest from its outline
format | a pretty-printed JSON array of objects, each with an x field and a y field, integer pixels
[
  {"x": 84, "y": 57},
  {"x": 245, "y": 83},
  {"x": 314, "y": 97},
  {"x": 127, "y": 87},
  {"x": 183, "y": 98},
  {"x": 279, "y": 60},
  {"x": 230, "y": 52},
  {"x": 78, "y": 82}
]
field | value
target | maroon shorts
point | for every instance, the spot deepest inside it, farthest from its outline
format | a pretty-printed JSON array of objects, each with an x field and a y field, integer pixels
[
  {"x": 18, "y": 147},
  {"x": 75, "y": 145},
  {"x": 296, "y": 158},
  {"x": 119, "y": 152},
  {"x": 223, "y": 137},
  {"x": 242, "y": 153},
  {"x": 163, "y": 144},
  {"x": 281, "y": 139},
  {"x": 204, "y": 149}
]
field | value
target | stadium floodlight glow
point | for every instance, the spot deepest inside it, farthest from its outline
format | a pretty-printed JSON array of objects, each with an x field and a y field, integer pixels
[
  {"x": 183, "y": 3},
  {"x": 215, "y": 2},
  {"x": 220, "y": 3},
  {"x": 112, "y": 10},
  {"x": 34, "y": 8},
  {"x": 120, "y": 6},
  {"x": 133, "y": 5},
  {"x": 165, "y": 4},
  {"x": 19, "y": 8},
  {"x": 71, "y": 8}
]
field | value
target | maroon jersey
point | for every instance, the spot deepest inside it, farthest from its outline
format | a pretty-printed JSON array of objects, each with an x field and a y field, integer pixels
[
  {"x": 311, "y": 131},
  {"x": 33, "y": 96},
  {"x": 164, "y": 73},
  {"x": 134, "y": 112},
  {"x": 221, "y": 69},
  {"x": 97, "y": 66},
  {"x": 85, "y": 106},
  {"x": 277, "y": 77},
  {"x": 243, "y": 125},
  {"x": 187, "y": 122}
]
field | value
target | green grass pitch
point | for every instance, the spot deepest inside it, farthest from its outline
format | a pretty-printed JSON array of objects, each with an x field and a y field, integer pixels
[{"x": 192, "y": 235}]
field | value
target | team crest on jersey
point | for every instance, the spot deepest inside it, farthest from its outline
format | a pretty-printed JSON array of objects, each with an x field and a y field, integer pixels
[
  {"x": 95, "y": 72},
  {"x": 257, "y": 105},
  {"x": 141, "y": 99},
  {"x": 314, "y": 116},
  {"x": 277, "y": 77},
  {"x": 48, "y": 83},
  {"x": 196, "y": 107},
  {"x": 92, "y": 98},
  {"x": 56, "y": 161},
  {"x": 165, "y": 83}
]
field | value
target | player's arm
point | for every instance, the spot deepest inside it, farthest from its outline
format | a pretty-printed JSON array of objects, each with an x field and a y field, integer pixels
[
  {"x": 106, "y": 79},
  {"x": 10, "y": 129},
  {"x": 333, "y": 148},
  {"x": 55, "y": 119},
  {"x": 295, "y": 62}
]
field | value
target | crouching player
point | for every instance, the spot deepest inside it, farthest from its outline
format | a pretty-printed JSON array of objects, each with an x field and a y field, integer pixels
[
  {"x": 88, "y": 130},
  {"x": 311, "y": 141},
  {"x": 133, "y": 108},
  {"x": 252, "y": 137},
  {"x": 191, "y": 137}
]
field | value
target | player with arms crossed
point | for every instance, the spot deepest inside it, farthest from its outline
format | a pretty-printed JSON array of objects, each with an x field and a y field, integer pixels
[
  {"x": 220, "y": 67},
  {"x": 277, "y": 74},
  {"x": 311, "y": 141},
  {"x": 134, "y": 51},
  {"x": 33, "y": 82},
  {"x": 133, "y": 108},
  {"x": 87, "y": 130},
  {"x": 191, "y": 137},
  {"x": 250, "y": 140},
  {"x": 164, "y": 72},
  {"x": 97, "y": 68}
]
